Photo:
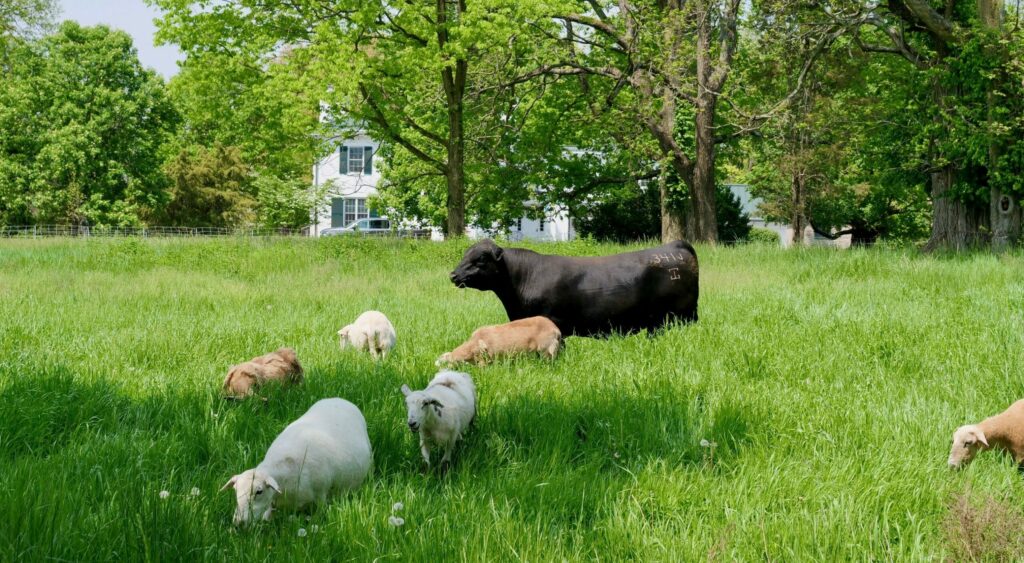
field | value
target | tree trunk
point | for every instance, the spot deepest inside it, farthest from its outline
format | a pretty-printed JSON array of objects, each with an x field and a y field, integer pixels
[
  {"x": 798, "y": 220},
  {"x": 454, "y": 82},
  {"x": 1004, "y": 208},
  {"x": 702, "y": 224},
  {"x": 671, "y": 226},
  {"x": 954, "y": 223},
  {"x": 455, "y": 173}
]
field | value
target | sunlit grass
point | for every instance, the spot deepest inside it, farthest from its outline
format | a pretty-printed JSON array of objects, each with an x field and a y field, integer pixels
[{"x": 828, "y": 382}]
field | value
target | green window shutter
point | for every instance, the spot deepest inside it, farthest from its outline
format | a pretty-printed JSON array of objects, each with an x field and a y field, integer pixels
[
  {"x": 368, "y": 160},
  {"x": 337, "y": 212},
  {"x": 343, "y": 162}
]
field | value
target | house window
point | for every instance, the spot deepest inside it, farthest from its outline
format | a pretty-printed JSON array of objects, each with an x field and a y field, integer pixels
[
  {"x": 355, "y": 159},
  {"x": 355, "y": 209}
]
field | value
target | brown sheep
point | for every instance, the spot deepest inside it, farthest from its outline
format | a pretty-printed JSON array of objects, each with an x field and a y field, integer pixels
[
  {"x": 533, "y": 334},
  {"x": 1004, "y": 430},
  {"x": 281, "y": 365}
]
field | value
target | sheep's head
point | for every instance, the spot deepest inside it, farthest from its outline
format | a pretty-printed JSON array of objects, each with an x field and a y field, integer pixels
[
  {"x": 343, "y": 335},
  {"x": 967, "y": 442},
  {"x": 255, "y": 491},
  {"x": 444, "y": 359},
  {"x": 422, "y": 408}
]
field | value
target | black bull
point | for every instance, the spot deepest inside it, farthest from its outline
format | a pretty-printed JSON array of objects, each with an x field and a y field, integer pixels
[{"x": 587, "y": 296}]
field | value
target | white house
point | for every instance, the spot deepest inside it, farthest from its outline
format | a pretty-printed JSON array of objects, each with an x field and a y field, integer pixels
[
  {"x": 351, "y": 168},
  {"x": 355, "y": 173}
]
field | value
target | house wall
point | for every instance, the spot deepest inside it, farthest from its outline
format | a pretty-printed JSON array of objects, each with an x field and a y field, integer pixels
[{"x": 353, "y": 185}]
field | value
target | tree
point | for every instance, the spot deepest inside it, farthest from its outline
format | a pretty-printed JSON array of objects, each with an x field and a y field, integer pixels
[
  {"x": 399, "y": 70},
  {"x": 83, "y": 127},
  {"x": 676, "y": 58},
  {"x": 960, "y": 54},
  {"x": 210, "y": 188},
  {"x": 261, "y": 107},
  {"x": 24, "y": 20}
]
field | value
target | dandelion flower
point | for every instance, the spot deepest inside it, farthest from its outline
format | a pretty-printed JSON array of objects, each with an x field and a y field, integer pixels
[
  {"x": 302, "y": 532},
  {"x": 397, "y": 506},
  {"x": 704, "y": 443},
  {"x": 395, "y": 521},
  {"x": 164, "y": 494},
  {"x": 194, "y": 492}
]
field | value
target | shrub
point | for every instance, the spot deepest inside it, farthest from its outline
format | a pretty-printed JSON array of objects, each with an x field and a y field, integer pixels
[{"x": 764, "y": 236}]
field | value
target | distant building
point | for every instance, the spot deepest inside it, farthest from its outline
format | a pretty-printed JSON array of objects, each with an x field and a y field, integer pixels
[
  {"x": 354, "y": 169},
  {"x": 752, "y": 208}
]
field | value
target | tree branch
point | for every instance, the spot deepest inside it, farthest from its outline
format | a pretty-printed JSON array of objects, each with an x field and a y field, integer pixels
[{"x": 397, "y": 137}]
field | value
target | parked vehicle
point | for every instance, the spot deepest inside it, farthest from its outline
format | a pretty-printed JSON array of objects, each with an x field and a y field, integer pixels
[{"x": 374, "y": 226}]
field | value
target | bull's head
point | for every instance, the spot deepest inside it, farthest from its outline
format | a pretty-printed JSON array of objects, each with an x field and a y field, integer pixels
[{"x": 481, "y": 268}]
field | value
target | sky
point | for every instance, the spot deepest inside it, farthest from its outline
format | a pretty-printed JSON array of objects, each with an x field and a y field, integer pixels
[{"x": 133, "y": 17}]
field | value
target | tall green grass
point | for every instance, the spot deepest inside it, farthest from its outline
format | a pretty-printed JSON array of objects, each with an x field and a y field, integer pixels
[{"x": 829, "y": 383}]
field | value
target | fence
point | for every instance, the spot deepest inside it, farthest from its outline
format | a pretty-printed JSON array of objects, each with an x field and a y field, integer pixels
[{"x": 41, "y": 231}]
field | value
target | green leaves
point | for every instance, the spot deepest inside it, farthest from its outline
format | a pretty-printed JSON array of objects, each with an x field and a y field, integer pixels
[{"x": 84, "y": 125}]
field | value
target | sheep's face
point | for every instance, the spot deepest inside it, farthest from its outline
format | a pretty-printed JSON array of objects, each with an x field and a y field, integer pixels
[
  {"x": 481, "y": 267},
  {"x": 343, "y": 337},
  {"x": 967, "y": 442},
  {"x": 422, "y": 408},
  {"x": 255, "y": 491}
]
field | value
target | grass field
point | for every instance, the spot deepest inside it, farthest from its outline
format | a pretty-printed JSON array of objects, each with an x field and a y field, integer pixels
[{"x": 829, "y": 381}]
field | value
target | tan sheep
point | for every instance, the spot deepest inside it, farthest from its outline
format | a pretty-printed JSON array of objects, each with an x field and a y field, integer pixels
[
  {"x": 533, "y": 334},
  {"x": 281, "y": 365},
  {"x": 1004, "y": 430}
]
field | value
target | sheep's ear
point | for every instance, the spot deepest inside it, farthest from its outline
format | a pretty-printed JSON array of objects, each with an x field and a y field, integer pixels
[
  {"x": 229, "y": 484},
  {"x": 981, "y": 437},
  {"x": 273, "y": 484},
  {"x": 406, "y": 390}
]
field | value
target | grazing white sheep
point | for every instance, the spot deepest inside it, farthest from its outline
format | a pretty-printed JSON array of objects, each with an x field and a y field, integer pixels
[
  {"x": 442, "y": 412},
  {"x": 1005, "y": 430},
  {"x": 325, "y": 451},
  {"x": 372, "y": 331},
  {"x": 533, "y": 334}
]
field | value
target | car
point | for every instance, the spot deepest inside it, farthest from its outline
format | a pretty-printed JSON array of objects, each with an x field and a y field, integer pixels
[{"x": 367, "y": 226}]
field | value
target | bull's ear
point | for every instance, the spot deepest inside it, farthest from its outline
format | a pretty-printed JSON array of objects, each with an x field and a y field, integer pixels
[{"x": 498, "y": 253}]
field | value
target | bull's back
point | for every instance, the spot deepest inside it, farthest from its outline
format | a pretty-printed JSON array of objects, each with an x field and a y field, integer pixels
[{"x": 623, "y": 292}]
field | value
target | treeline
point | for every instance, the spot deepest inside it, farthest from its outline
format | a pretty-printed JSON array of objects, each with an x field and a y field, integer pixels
[
  {"x": 897, "y": 120},
  {"x": 90, "y": 137}
]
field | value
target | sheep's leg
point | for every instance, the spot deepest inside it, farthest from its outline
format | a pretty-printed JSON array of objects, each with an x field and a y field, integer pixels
[
  {"x": 446, "y": 461},
  {"x": 425, "y": 451}
]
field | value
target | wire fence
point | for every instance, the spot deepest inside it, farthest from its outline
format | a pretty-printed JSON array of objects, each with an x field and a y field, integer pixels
[
  {"x": 83, "y": 231},
  {"x": 41, "y": 231}
]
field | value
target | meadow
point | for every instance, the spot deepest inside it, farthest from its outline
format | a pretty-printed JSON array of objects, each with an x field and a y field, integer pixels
[{"x": 824, "y": 385}]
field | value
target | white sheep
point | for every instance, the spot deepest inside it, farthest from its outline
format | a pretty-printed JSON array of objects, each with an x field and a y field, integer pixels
[
  {"x": 325, "y": 451},
  {"x": 442, "y": 412},
  {"x": 372, "y": 331},
  {"x": 1004, "y": 430}
]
